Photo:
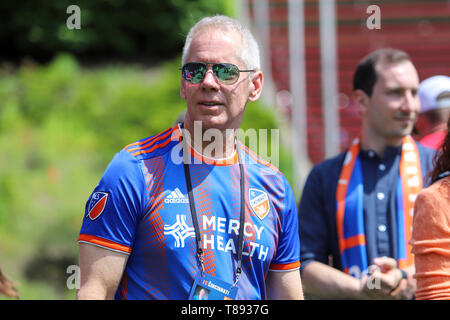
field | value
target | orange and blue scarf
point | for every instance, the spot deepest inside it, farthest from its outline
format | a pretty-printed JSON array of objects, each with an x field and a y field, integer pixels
[{"x": 350, "y": 213}]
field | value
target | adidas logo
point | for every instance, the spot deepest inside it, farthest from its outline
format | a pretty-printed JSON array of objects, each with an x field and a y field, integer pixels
[{"x": 176, "y": 197}]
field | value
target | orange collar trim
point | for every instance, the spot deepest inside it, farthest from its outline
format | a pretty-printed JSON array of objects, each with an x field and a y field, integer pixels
[{"x": 233, "y": 159}]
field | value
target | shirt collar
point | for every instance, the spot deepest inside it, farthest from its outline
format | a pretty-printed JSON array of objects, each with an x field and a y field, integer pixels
[{"x": 390, "y": 152}]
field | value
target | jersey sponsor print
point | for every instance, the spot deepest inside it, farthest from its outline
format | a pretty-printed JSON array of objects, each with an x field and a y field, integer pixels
[{"x": 141, "y": 208}]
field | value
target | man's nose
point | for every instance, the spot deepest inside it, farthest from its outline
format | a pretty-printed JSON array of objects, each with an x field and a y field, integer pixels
[
  {"x": 411, "y": 102},
  {"x": 210, "y": 81}
]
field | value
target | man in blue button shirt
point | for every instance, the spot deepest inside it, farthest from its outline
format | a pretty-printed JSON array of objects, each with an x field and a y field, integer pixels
[{"x": 356, "y": 208}]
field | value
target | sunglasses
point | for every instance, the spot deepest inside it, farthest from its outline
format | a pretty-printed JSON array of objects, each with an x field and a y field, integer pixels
[{"x": 226, "y": 73}]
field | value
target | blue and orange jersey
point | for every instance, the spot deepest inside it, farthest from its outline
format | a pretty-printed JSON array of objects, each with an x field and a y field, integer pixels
[{"x": 141, "y": 208}]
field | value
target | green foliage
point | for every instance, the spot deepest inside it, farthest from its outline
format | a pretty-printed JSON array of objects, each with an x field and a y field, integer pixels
[
  {"x": 60, "y": 125},
  {"x": 113, "y": 28}
]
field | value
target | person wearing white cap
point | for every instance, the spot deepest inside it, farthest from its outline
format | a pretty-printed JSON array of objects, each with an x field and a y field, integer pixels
[{"x": 434, "y": 94}]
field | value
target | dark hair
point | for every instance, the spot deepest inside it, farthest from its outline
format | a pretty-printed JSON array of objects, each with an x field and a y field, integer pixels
[
  {"x": 437, "y": 116},
  {"x": 365, "y": 74},
  {"x": 441, "y": 161}
]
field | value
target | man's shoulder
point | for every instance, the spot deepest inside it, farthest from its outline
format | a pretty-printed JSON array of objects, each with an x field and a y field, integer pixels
[
  {"x": 252, "y": 158},
  {"x": 426, "y": 156},
  {"x": 332, "y": 164},
  {"x": 325, "y": 174},
  {"x": 264, "y": 171},
  {"x": 154, "y": 145},
  {"x": 425, "y": 151}
]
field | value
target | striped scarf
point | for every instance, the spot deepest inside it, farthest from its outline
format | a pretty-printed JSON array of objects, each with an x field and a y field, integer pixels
[{"x": 350, "y": 213}]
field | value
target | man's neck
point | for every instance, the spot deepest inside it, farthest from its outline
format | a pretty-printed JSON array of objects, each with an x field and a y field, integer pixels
[
  {"x": 212, "y": 143},
  {"x": 378, "y": 144}
]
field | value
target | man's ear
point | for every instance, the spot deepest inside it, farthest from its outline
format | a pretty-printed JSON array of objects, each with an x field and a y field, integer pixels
[
  {"x": 256, "y": 86},
  {"x": 361, "y": 99}
]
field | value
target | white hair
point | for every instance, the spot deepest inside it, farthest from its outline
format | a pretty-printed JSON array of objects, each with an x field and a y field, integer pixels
[{"x": 249, "y": 47}]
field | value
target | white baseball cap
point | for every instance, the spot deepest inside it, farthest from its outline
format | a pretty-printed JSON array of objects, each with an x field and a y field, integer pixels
[{"x": 430, "y": 89}]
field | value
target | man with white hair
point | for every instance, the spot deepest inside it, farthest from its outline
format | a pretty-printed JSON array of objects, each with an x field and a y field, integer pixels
[
  {"x": 171, "y": 214},
  {"x": 431, "y": 126}
]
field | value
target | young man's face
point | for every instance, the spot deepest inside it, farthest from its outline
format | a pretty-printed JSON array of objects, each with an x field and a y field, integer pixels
[
  {"x": 394, "y": 105},
  {"x": 215, "y": 104}
]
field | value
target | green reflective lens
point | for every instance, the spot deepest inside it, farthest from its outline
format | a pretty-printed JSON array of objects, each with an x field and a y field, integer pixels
[
  {"x": 193, "y": 72},
  {"x": 226, "y": 73}
]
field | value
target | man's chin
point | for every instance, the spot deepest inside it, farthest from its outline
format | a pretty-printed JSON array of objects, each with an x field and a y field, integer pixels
[
  {"x": 407, "y": 130},
  {"x": 403, "y": 133}
]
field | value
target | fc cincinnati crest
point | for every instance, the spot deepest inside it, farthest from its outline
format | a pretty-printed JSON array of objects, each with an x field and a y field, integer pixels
[
  {"x": 259, "y": 201},
  {"x": 97, "y": 204}
]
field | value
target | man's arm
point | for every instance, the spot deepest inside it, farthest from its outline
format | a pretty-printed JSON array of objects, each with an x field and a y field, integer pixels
[
  {"x": 284, "y": 285},
  {"x": 325, "y": 282},
  {"x": 101, "y": 270}
]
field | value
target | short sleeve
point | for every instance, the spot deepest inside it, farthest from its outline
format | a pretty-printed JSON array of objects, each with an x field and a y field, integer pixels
[
  {"x": 115, "y": 206},
  {"x": 288, "y": 251}
]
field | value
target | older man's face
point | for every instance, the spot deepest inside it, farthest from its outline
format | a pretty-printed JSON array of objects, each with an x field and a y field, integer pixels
[{"x": 215, "y": 104}]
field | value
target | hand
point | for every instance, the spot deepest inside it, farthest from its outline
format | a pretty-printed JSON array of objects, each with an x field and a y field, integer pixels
[
  {"x": 406, "y": 289},
  {"x": 377, "y": 285},
  {"x": 391, "y": 279},
  {"x": 389, "y": 274}
]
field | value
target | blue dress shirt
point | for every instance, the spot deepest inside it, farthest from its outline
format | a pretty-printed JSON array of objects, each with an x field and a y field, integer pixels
[{"x": 317, "y": 208}]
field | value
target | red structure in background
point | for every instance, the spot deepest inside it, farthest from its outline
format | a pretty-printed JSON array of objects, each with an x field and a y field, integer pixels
[{"x": 420, "y": 27}]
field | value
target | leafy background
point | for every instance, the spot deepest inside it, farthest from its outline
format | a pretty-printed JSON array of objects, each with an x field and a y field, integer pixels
[{"x": 69, "y": 100}]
